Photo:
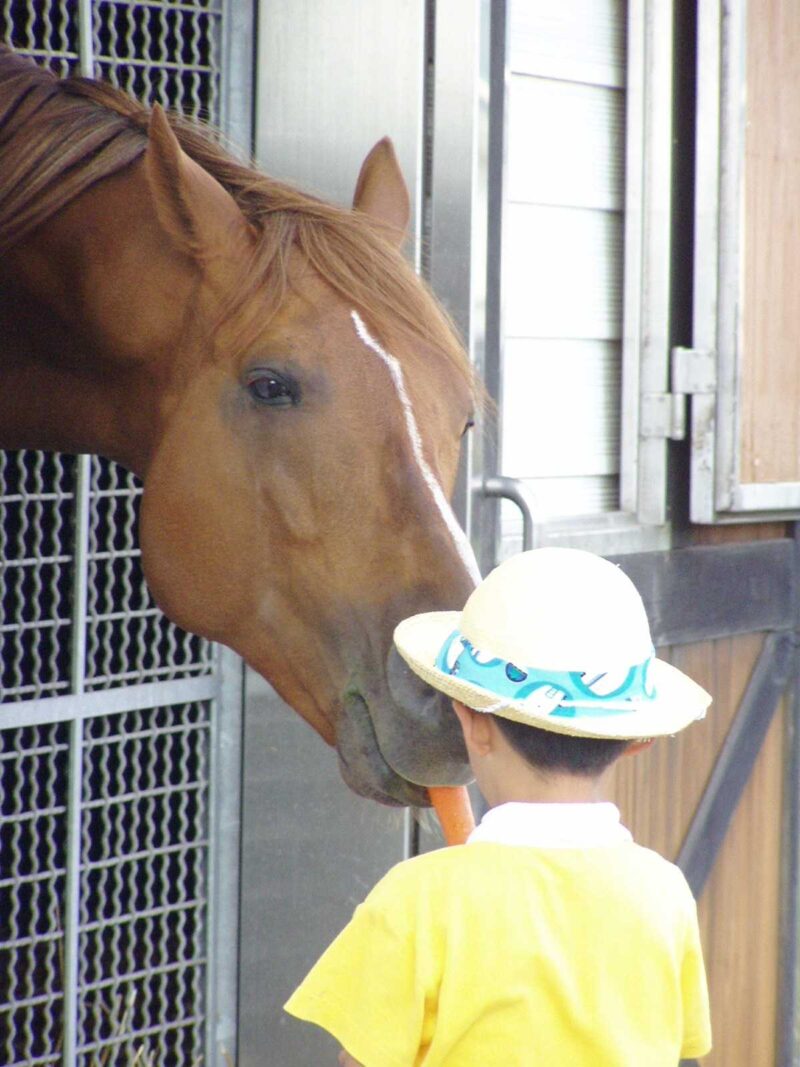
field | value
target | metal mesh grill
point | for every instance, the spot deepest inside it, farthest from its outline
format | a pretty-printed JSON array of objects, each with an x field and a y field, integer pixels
[
  {"x": 128, "y": 639},
  {"x": 47, "y": 31},
  {"x": 33, "y": 820},
  {"x": 165, "y": 51},
  {"x": 160, "y": 51},
  {"x": 142, "y": 902},
  {"x": 104, "y": 814},
  {"x": 37, "y": 495},
  {"x": 144, "y": 843}
]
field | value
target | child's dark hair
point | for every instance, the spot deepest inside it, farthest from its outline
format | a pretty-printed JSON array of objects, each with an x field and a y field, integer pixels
[{"x": 548, "y": 751}]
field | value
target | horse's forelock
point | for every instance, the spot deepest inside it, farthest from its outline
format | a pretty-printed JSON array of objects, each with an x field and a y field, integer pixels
[{"x": 359, "y": 264}]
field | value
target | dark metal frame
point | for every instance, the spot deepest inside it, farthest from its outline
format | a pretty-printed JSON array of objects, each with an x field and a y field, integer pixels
[{"x": 696, "y": 594}]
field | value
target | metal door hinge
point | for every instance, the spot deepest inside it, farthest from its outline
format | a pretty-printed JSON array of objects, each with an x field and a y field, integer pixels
[
  {"x": 694, "y": 371},
  {"x": 663, "y": 415}
]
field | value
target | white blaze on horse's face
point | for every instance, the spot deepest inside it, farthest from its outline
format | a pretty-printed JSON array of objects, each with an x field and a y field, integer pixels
[{"x": 463, "y": 547}]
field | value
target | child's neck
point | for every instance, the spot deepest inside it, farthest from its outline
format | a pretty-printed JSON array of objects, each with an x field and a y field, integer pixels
[{"x": 529, "y": 786}]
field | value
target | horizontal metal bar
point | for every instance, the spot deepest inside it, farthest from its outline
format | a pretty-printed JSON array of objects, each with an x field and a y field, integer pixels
[
  {"x": 190, "y": 904},
  {"x": 141, "y": 735},
  {"x": 10, "y": 565},
  {"x": 34, "y": 498},
  {"x": 27, "y": 942},
  {"x": 141, "y": 1032},
  {"x": 107, "y": 682},
  {"x": 30, "y": 816},
  {"x": 736, "y": 759},
  {"x": 119, "y": 616},
  {"x": 37, "y": 1061},
  {"x": 696, "y": 594},
  {"x": 180, "y": 788},
  {"x": 128, "y": 977},
  {"x": 20, "y": 690},
  {"x": 32, "y": 753},
  {"x": 109, "y": 701},
  {"x": 147, "y": 64},
  {"x": 30, "y": 879},
  {"x": 30, "y": 1002},
  {"x": 167, "y": 6},
  {"x": 200, "y": 844}
]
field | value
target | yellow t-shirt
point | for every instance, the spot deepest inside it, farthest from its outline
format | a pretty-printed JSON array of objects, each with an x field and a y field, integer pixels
[{"x": 494, "y": 955}]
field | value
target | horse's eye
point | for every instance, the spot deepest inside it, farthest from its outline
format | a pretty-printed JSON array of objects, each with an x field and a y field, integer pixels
[
  {"x": 469, "y": 424},
  {"x": 269, "y": 387}
]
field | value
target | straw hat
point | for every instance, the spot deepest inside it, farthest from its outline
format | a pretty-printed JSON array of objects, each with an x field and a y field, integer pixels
[{"x": 557, "y": 638}]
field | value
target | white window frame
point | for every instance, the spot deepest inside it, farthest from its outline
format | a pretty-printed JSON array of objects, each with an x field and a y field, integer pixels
[
  {"x": 718, "y": 494},
  {"x": 649, "y": 414}
]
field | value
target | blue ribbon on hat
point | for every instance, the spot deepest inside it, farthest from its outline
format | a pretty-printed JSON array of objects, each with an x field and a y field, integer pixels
[{"x": 565, "y": 694}]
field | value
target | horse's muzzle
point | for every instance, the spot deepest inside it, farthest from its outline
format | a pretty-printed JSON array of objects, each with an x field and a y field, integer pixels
[
  {"x": 394, "y": 744},
  {"x": 361, "y": 762}
]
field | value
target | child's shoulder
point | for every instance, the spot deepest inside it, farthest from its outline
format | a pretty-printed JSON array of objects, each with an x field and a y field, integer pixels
[
  {"x": 437, "y": 868},
  {"x": 654, "y": 873},
  {"x": 439, "y": 863},
  {"x": 649, "y": 859},
  {"x": 463, "y": 866}
]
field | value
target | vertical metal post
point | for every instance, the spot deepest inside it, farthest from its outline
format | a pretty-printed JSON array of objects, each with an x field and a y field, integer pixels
[
  {"x": 224, "y": 860},
  {"x": 75, "y": 766},
  {"x": 486, "y": 458},
  {"x": 237, "y": 74},
  {"x": 457, "y": 220},
  {"x": 78, "y": 665},
  {"x": 787, "y": 1043},
  {"x": 72, "y": 894},
  {"x": 85, "y": 43}
]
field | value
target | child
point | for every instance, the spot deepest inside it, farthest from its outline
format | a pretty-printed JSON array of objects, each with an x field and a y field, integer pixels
[{"x": 550, "y": 939}]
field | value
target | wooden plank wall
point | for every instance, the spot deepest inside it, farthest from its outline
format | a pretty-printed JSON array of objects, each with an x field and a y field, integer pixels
[
  {"x": 658, "y": 791},
  {"x": 770, "y": 387}
]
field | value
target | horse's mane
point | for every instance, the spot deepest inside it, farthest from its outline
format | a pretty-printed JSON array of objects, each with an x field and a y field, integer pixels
[{"x": 59, "y": 137}]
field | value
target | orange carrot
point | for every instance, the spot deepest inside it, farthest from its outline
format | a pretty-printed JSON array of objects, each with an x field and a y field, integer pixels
[{"x": 452, "y": 805}]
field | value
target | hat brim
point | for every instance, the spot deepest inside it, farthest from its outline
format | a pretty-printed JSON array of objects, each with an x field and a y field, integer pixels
[{"x": 678, "y": 702}]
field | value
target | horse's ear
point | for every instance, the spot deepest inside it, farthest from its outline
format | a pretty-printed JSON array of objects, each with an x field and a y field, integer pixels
[
  {"x": 163, "y": 167},
  {"x": 191, "y": 205},
  {"x": 381, "y": 191}
]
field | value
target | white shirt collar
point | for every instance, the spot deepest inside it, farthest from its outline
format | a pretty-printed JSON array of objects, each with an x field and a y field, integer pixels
[{"x": 552, "y": 825}]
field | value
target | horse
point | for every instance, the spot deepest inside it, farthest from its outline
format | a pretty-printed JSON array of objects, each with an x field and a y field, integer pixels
[{"x": 290, "y": 393}]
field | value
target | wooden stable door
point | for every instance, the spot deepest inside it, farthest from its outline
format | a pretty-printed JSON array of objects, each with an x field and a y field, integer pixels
[{"x": 659, "y": 792}]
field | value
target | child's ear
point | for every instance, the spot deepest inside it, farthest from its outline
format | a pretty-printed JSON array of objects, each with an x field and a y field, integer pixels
[
  {"x": 638, "y": 746},
  {"x": 464, "y": 715},
  {"x": 477, "y": 729}
]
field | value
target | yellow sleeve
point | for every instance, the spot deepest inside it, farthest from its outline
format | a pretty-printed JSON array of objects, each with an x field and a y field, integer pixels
[
  {"x": 696, "y": 1015},
  {"x": 374, "y": 988}
]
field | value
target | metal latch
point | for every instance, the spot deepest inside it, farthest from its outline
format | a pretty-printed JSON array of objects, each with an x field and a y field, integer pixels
[{"x": 663, "y": 415}]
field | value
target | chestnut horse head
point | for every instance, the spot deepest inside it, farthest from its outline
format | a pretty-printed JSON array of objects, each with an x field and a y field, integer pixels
[{"x": 288, "y": 390}]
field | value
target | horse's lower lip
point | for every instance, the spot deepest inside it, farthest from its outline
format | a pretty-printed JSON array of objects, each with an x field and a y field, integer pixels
[
  {"x": 393, "y": 745},
  {"x": 362, "y": 764},
  {"x": 420, "y": 738}
]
